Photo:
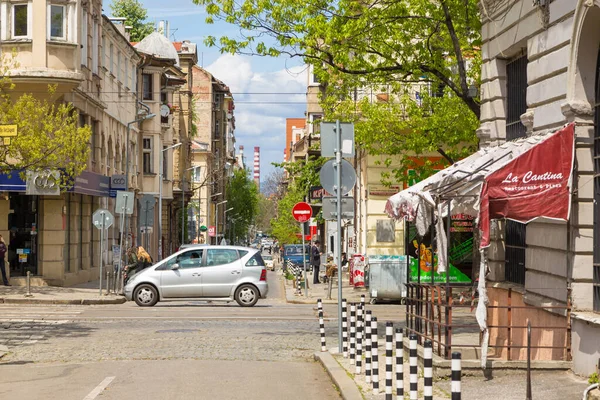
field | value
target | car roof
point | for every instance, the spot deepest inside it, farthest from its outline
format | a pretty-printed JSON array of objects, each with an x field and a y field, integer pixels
[{"x": 215, "y": 246}]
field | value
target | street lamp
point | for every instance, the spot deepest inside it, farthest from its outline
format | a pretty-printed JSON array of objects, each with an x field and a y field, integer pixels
[
  {"x": 225, "y": 218},
  {"x": 160, "y": 185},
  {"x": 208, "y": 200},
  {"x": 183, "y": 203},
  {"x": 217, "y": 220}
]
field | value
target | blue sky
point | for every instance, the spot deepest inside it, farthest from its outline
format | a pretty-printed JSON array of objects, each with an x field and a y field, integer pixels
[{"x": 260, "y": 117}]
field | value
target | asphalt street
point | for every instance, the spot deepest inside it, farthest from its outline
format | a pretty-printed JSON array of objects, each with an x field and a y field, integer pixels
[{"x": 175, "y": 350}]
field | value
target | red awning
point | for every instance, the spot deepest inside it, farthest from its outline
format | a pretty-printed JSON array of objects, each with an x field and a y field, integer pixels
[{"x": 522, "y": 180}]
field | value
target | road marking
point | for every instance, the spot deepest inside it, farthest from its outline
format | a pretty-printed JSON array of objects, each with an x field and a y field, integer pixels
[
  {"x": 98, "y": 389},
  {"x": 206, "y": 318}
]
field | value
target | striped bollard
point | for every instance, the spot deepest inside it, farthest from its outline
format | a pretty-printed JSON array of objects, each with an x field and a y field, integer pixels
[
  {"x": 299, "y": 285},
  {"x": 368, "y": 346},
  {"x": 399, "y": 365},
  {"x": 322, "y": 326},
  {"x": 352, "y": 333},
  {"x": 456, "y": 376},
  {"x": 412, "y": 359},
  {"x": 344, "y": 328},
  {"x": 362, "y": 301},
  {"x": 428, "y": 370},
  {"x": 374, "y": 356},
  {"x": 389, "y": 360},
  {"x": 358, "y": 369}
]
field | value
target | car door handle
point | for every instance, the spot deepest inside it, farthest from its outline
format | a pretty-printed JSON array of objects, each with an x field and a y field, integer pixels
[
  {"x": 235, "y": 272},
  {"x": 196, "y": 274}
]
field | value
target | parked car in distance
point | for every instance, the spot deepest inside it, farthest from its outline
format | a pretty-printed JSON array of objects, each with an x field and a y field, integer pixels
[
  {"x": 215, "y": 273},
  {"x": 293, "y": 253},
  {"x": 269, "y": 261}
]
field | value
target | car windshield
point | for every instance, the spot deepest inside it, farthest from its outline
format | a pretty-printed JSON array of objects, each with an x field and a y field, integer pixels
[{"x": 292, "y": 251}]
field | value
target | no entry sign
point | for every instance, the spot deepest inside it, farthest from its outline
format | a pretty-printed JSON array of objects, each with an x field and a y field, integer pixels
[{"x": 302, "y": 212}]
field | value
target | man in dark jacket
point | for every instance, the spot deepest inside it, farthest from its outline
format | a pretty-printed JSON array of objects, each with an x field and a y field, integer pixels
[
  {"x": 315, "y": 261},
  {"x": 3, "y": 250}
]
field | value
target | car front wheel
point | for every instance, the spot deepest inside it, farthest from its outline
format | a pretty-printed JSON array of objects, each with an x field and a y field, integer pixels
[
  {"x": 246, "y": 295},
  {"x": 145, "y": 295}
]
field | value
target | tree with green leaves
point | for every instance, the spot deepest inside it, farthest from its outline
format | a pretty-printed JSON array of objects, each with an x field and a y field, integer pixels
[
  {"x": 48, "y": 133},
  {"x": 135, "y": 16},
  {"x": 241, "y": 195},
  {"x": 406, "y": 72}
]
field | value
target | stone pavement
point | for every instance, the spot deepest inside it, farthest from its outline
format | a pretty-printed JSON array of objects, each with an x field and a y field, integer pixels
[{"x": 84, "y": 294}]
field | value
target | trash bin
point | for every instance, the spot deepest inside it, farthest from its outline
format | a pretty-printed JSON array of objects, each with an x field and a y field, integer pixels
[{"x": 387, "y": 279}]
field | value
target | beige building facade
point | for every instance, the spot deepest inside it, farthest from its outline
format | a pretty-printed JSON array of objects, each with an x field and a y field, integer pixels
[{"x": 540, "y": 71}]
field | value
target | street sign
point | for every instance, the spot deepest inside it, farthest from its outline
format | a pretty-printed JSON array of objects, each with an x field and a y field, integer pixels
[
  {"x": 330, "y": 208},
  {"x": 146, "y": 229},
  {"x": 328, "y": 177},
  {"x": 45, "y": 182},
  {"x": 203, "y": 228},
  {"x": 146, "y": 212},
  {"x": 124, "y": 203},
  {"x": 117, "y": 183},
  {"x": 302, "y": 211},
  {"x": 329, "y": 139},
  {"x": 211, "y": 231},
  {"x": 101, "y": 215}
]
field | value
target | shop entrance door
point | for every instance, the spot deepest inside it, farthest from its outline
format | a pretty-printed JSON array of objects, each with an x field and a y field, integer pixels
[{"x": 23, "y": 227}]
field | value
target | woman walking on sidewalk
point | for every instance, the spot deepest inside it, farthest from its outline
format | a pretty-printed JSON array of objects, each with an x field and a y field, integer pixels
[{"x": 2, "y": 264}]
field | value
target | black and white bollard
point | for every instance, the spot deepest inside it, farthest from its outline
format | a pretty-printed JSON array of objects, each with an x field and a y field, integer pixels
[
  {"x": 344, "y": 328},
  {"x": 412, "y": 359},
  {"x": 298, "y": 283},
  {"x": 368, "y": 346},
  {"x": 374, "y": 356},
  {"x": 399, "y": 364},
  {"x": 456, "y": 372},
  {"x": 322, "y": 326},
  {"x": 389, "y": 359},
  {"x": 352, "y": 333},
  {"x": 362, "y": 301},
  {"x": 359, "y": 333},
  {"x": 428, "y": 370}
]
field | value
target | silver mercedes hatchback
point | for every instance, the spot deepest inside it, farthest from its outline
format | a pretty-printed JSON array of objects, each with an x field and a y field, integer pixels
[{"x": 203, "y": 272}]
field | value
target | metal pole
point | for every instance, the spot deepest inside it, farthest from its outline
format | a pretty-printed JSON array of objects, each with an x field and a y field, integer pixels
[
  {"x": 528, "y": 396},
  {"x": 183, "y": 207},
  {"x": 217, "y": 224},
  {"x": 28, "y": 294},
  {"x": 101, "y": 245},
  {"x": 338, "y": 159},
  {"x": 119, "y": 268},
  {"x": 304, "y": 262},
  {"x": 160, "y": 187}
]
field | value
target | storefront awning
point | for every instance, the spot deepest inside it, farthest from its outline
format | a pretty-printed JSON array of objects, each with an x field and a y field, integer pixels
[{"x": 522, "y": 180}]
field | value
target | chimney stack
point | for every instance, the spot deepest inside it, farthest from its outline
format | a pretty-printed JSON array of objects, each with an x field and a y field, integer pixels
[{"x": 257, "y": 166}]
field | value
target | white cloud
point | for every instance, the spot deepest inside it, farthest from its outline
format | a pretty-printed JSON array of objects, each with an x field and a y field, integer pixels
[{"x": 263, "y": 100}]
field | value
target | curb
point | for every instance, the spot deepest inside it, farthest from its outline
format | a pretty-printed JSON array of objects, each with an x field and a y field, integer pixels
[
  {"x": 85, "y": 302},
  {"x": 339, "y": 376}
]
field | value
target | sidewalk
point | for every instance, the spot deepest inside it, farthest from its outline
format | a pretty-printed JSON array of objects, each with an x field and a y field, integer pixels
[
  {"x": 319, "y": 291},
  {"x": 84, "y": 294}
]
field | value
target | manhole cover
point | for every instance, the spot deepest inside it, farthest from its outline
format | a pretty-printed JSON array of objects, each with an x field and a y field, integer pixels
[{"x": 177, "y": 330}]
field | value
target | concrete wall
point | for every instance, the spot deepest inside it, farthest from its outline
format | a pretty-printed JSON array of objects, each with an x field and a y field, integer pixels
[{"x": 586, "y": 352}]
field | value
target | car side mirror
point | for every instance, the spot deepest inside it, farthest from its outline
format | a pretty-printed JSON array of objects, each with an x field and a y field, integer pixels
[{"x": 175, "y": 266}]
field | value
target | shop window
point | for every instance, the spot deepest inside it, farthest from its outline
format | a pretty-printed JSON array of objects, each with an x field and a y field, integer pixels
[
  {"x": 147, "y": 87},
  {"x": 147, "y": 156},
  {"x": 516, "y": 97},
  {"x": 20, "y": 26},
  {"x": 57, "y": 22}
]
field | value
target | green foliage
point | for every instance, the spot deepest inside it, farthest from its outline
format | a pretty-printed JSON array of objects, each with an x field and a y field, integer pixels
[
  {"x": 593, "y": 378},
  {"x": 266, "y": 209},
  {"x": 242, "y": 196},
  {"x": 372, "y": 58},
  {"x": 302, "y": 175},
  {"x": 135, "y": 15},
  {"x": 48, "y": 135}
]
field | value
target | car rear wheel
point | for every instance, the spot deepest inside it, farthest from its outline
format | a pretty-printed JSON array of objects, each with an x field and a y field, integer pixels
[
  {"x": 246, "y": 295},
  {"x": 145, "y": 295}
]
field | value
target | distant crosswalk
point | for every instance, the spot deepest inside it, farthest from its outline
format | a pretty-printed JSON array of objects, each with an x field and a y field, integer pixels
[{"x": 16, "y": 313}]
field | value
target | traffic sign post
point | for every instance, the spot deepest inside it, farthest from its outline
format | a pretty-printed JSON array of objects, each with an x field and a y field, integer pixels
[
  {"x": 302, "y": 212},
  {"x": 124, "y": 205},
  {"x": 102, "y": 219}
]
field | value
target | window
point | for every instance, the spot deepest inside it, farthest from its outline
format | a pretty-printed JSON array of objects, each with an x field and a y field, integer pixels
[
  {"x": 165, "y": 163},
  {"x": 147, "y": 155},
  {"x": 126, "y": 80},
  {"x": 147, "y": 87},
  {"x": 118, "y": 66},
  {"x": 84, "y": 37},
  {"x": 216, "y": 257},
  {"x": 110, "y": 56},
  {"x": 196, "y": 174},
  {"x": 95, "y": 47},
  {"x": 516, "y": 97},
  {"x": 20, "y": 21},
  {"x": 189, "y": 259},
  {"x": 133, "y": 78},
  {"x": 255, "y": 261},
  {"x": 57, "y": 21},
  {"x": 515, "y": 252}
]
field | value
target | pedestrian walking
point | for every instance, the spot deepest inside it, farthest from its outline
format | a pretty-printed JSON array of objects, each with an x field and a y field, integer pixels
[
  {"x": 316, "y": 262},
  {"x": 3, "y": 250}
]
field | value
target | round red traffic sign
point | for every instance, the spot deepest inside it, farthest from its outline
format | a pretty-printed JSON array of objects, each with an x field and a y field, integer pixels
[{"x": 302, "y": 212}]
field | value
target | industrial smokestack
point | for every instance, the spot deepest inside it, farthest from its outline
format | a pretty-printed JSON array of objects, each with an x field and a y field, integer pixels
[{"x": 257, "y": 166}]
